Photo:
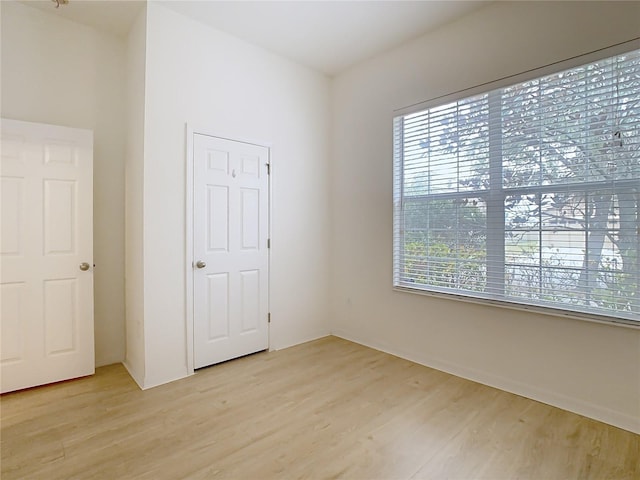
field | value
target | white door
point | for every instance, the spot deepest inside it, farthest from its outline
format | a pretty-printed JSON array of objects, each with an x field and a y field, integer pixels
[
  {"x": 46, "y": 248},
  {"x": 231, "y": 257}
]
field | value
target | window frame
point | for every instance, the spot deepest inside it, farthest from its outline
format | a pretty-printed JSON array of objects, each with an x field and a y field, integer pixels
[{"x": 495, "y": 195}]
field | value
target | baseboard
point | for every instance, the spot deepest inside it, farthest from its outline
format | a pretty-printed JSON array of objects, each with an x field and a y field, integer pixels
[
  {"x": 303, "y": 339},
  {"x": 133, "y": 374},
  {"x": 108, "y": 361},
  {"x": 574, "y": 405},
  {"x": 151, "y": 382}
]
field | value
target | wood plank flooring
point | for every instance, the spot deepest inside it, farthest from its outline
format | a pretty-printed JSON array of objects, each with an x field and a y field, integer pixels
[{"x": 324, "y": 409}]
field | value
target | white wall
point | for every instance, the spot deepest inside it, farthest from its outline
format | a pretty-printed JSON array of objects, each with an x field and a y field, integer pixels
[
  {"x": 134, "y": 189},
  {"x": 56, "y": 71},
  {"x": 588, "y": 368},
  {"x": 216, "y": 82},
  {"x": 60, "y": 72}
]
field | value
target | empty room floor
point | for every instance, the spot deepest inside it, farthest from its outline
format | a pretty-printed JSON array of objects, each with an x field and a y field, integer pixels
[{"x": 324, "y": 409}]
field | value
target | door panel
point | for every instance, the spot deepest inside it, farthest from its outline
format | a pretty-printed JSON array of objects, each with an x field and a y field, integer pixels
[
  {"x": 13, "y": 322},
  {"x": 230, "y": 236},
  {"x": 60, "y": 313},
  {"x": 12, "y": 215},
  {"x": 218, "y": 218},
  {"x": 250, "y": 218},
  {"x": 60, "y": 152},
  {"x": 46, "y": 325},
  {"x": 59, "y": 217},
  {"x": 250, "y": 300},
  {"x": 218, "y": 318}
]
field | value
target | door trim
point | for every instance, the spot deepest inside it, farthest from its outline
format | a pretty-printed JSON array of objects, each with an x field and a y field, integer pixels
[{"x": 190, "y": 131}]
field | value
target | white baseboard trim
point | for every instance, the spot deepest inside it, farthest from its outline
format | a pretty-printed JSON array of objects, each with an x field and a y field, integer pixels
[
  {"x": 133, "y": 374},
  {"x": 108, "y": 361},
  {"x": 574, "y": 405},
  {"x": 151, "y": 382},
  {"x": 303, "y": 339}
]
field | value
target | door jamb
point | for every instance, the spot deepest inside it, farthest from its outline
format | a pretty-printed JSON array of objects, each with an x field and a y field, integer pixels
[{"x": 190, "y": 131}]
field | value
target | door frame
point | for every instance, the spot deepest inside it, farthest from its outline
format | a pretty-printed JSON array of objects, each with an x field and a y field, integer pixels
[{"x": 190, "y": 131}]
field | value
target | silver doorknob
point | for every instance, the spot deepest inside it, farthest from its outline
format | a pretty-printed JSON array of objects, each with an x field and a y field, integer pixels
[
  {"x": 84, "y": 266},
  {"x": 200, "y": 264}
]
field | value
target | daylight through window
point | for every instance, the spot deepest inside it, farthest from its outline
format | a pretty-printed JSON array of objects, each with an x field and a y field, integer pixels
[{"x": 527, "y": 194}]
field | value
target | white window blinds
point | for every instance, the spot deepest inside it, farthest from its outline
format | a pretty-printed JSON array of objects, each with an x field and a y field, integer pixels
[{"x": 527, "y": 194}]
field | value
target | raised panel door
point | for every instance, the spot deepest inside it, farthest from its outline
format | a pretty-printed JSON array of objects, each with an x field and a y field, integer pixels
[
  {"x": 46, "y": 323},
  {"x": 230, "y": 235}
]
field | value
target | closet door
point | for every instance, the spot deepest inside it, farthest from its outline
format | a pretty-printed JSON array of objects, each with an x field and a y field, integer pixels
[
  {"x": 231, "y": 264},
  {"x": 46, "y": 251}
]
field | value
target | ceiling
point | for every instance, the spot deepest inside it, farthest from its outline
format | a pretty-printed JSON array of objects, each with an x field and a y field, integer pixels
[
  {"x": 328, "y": 36},
  {"x": 113, "y": 16}
]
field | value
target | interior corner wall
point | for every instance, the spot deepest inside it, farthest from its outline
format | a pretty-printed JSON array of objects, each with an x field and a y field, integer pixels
[
  {"x": 60, "y": 72},
  {"x": 592, "y": 369},
  {"x": 213, "y": 81},
  {"x": 134, "y": 187}
]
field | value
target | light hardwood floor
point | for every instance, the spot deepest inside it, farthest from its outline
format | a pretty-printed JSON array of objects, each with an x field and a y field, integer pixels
[{"x": 324, "y": 409}]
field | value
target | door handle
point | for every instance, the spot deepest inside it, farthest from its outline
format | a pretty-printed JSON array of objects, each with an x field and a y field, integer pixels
[
  {"x": 84, "y": 266},
  {"x": 200, "y": 264}
]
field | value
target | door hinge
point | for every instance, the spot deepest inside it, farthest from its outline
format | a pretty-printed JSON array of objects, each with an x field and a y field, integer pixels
[
  {"x": 268, "y": 317},
  {"x": 268, "y": 168},
  {"x": 268, "y": 243}
]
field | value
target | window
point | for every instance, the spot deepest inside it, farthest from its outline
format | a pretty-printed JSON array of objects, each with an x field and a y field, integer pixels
[{"x": 527, "y": 194}]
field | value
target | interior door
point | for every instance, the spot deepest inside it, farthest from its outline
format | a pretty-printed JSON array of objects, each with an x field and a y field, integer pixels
[
  {"x": 46, "y": 248},
  {"x": 231, "y": 257}
]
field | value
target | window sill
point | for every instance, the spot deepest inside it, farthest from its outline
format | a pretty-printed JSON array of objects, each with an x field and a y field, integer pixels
[{"x": 601, "y": 319}]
